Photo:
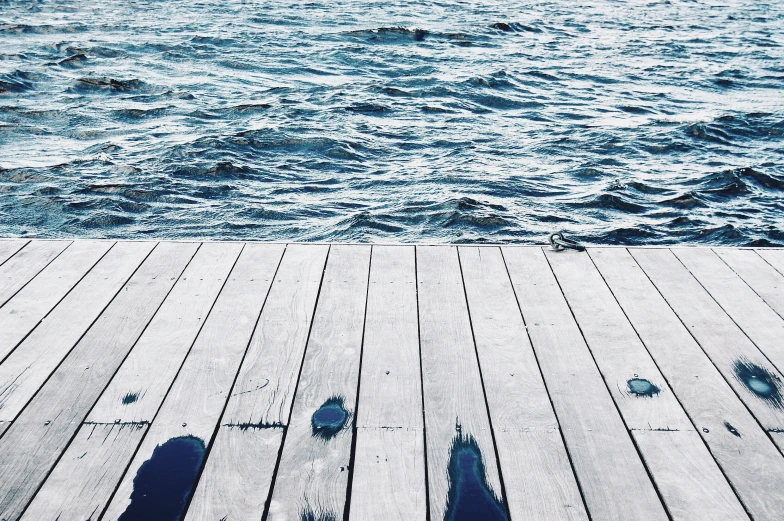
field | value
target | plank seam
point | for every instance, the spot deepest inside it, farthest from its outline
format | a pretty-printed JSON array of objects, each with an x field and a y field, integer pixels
[
  {"x": 623, "y": 420},
  {"x": 352, "y": 457},
  {"x": 34, "y": 276},
  {"x": 58, "y": 302},
  {"x": 421, "y": 384},
  {"x": 14, "y": 253},
  {"x": 767, "y": 433},
  {"x": 749, "y": 285},
  {"x": 482, "y": 382},
  {"x": 294, "y": 394},
  {"x": 677, "y": 398},
  {"x": 547, "y": 390},
  {"x": 766, "y": 260},
  {"x": 166, "y": 394},
  {"x": 76, "y": 432},
  {"x": 728, "y": 315}
]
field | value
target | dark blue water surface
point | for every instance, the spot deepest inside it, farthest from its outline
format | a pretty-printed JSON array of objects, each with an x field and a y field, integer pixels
[{"x": 395, "y": 120}]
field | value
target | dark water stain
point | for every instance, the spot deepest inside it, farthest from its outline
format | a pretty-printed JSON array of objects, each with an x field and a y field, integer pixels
[
  {"x": 470, "y": 498},
  {"x": 642, "y": 387},
  {"x": 310, "y": 515},
  {"x": 732, "y": 429},
  {"x": 329, "y": 419},
  {"x": 130, "y": 398},
  {"x": 164, "y": 482},
  {"x": 759, "y": 381}
]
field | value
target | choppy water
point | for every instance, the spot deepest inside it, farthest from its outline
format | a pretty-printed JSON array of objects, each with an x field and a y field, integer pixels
[{"x": 396, "y": 120}]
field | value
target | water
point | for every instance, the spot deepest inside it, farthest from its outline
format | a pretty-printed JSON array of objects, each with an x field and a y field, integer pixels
[{"x": 619, "y": 122}]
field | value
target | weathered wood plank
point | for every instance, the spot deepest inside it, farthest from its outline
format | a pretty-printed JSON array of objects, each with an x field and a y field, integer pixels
[
  {"x": 26, "y": 264},
  {"x": 312, "y": 476},
  {"x": 749, "y": 460},
  {"x": 774, "y": 257},
  {"x": 32, "y": 303},
  {"x": 539, "y": 480},
  {"x": 9, "y": 247},
  {"x": 91, "y": 467},
  {"x": 236, "y": 479},
  {"x": 137, "y": 390},
  {"x": 758, "y": 320},
  {"x": 456, "y": 421},
  {"x": 754, "y": 379},
  {"x": 644, "y": 398},
  {"x": 38, "y": 437},
  {"x": 31, "y": 363},
  {"x": 605, "y": 460},
  {"x": 388, "y": 480},
  {"x": 194, "y": 404},
  {"x": 757, "y": 273}
]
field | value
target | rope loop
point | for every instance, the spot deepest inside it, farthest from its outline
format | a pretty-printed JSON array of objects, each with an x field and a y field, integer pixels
[{"x": 558, "y": 242}]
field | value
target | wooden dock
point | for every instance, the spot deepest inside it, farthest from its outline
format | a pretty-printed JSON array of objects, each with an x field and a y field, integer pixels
[{"x": 250, "y": 381}]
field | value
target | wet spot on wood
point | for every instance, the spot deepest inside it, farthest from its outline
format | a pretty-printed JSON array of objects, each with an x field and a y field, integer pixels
[
  {"x": 470, "y": 498},
  {"x": 130, "y": 398},
  {"x": 759, "y": 381},
  {"x": 309, "y": 515},
  {"x": 642, "y": 387},
  {"x": 164, "y": 482},
  {"x": 329, "y": 419},
  {"x": 732, "y": 429}
]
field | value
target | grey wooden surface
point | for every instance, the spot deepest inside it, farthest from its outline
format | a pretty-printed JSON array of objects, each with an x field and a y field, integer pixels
[{"x": 111, "y": 351}]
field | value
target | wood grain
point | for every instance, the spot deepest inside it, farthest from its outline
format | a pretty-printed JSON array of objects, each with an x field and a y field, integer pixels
[
  {"x": 605, "y": 459},
  {"x": 196, "y": 400},
  {"x": 747, "y": 460},
  {"x": 621, "y": 358},
  {"x": 757, "y": 320},
  {"x": 31, "y": 363},
  {"x": 236, "y": 479},
  {"x": 720, "y": 338},
  {"x": 757, "y": 273},
  {"x": 26, "y": 264},
  {"x": 32, "y": 303},
  {"x": 388, "y": 479},
  {"x": 137, "y": 390},
  {"x": 451, "y": 381},
  {"x": 32, "y": 445},
  {"x": 539, "y": 480},
  {"x": 313, "y": 471}
]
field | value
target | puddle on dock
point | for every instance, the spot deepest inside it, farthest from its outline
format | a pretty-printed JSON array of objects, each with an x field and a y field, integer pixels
[
  {"x": 329, "y": 419},
  {"x": 642, "y": 387},
  {"x": 470, "y": 497},
  {"x": 164, "y": 482},
  {"x": 759, "y": 381}
]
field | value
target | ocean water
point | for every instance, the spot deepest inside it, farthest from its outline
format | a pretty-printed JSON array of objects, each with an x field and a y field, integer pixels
[{"x": 620, "y": 122}]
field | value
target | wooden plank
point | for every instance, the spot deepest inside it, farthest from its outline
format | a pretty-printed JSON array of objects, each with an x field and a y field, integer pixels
[
  {"x": 627, "y": 366},
  {"x": 94, "y": 462},
  {"x": 137, "y": 390},
  {"x": 38, "y": 437},
  {"x": 312, "y": 477},
  {"x": 757, "y": 273},
  {"x": 32, "y": 303},
  {"x": 774, "y": 257},
  {"x": 457, "y": 426},
  {"x": 31, "y": 363},
  {"x": 237, "y": 476},
  {"x": 758, "y": 320},
  {"x": 539, "y": 480},
  {"x": 750, "y": 461},
  {"x": 26, "y": 264},
  {"x": 730, "y": 350},
  {"x": 604, "y": 458},
  {"x": 388, "y": 480},
  {"x": 194, "y": 404},
  {"x": 9, "y": 247}
]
